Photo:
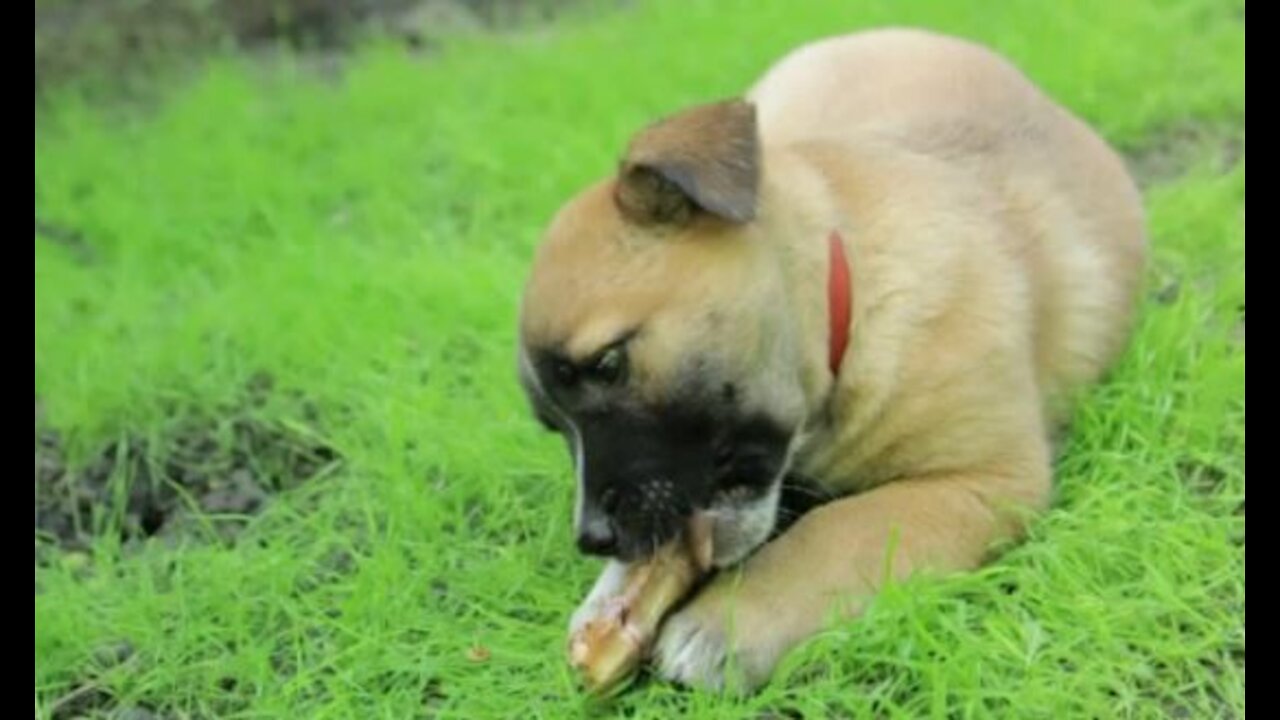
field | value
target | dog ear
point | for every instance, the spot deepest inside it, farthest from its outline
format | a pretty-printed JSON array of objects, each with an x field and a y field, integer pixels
[{"x": 704, "y": 159}]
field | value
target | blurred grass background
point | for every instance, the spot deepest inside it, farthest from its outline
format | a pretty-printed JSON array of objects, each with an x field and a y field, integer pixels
[{"x": 323, "y": 229}]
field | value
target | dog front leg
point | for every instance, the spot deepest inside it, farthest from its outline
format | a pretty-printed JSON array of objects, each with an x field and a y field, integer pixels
[{"x": 835, "y": 558}]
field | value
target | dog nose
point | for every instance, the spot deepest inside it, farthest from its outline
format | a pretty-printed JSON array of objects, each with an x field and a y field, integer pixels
[{"x": 596, "y": 537}]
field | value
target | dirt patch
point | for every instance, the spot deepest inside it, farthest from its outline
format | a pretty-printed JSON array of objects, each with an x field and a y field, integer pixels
[
  {"x": 1171, "y": 151},
  {"x": 1200, "y": 476},
  {"x": 113, "y": 39},
  {"x": 204, "y": 479},
  {"x": 92, "y": 696},
  {"x": 83, "y": 701},
  {"x": 1168, "y": 293},
  {"x": 70, "y": 238}
]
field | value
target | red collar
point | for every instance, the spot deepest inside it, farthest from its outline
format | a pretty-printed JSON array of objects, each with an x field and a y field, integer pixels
[{"x": 839, "y": 302}]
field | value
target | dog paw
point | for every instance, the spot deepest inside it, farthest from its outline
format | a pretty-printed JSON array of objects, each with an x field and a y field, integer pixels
[
  {"x": 715, "y": 644},
  {"x": 692, "y": 650}
]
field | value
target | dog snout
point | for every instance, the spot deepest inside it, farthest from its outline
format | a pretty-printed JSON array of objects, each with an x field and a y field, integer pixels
[
  {"x": 597, "y": 531},
  {"x": 596, "y": 536}
]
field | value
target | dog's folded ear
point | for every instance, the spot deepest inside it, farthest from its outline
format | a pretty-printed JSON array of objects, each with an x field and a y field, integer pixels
[{"x": 705, "y": 159}]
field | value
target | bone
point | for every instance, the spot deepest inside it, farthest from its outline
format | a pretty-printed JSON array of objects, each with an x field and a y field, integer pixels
[{"x": 608, "y": 649}]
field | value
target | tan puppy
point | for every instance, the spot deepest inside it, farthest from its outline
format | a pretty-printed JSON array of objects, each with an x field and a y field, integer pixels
[{"x": 884, "y": 273}]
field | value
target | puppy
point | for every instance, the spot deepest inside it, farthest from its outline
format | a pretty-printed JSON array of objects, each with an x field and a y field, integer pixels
[{"x": 883, "y": 273}]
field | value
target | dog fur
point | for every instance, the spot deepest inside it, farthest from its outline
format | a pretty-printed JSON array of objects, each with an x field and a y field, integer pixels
[{"x": 996, "y": 247}]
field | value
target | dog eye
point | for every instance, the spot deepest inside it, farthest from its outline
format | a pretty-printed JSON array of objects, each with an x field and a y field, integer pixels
[
  {"x": 566, "y": 373},
  {"x": 609, "y": 367}
]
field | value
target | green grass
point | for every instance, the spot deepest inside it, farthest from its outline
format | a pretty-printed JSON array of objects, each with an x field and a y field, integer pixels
[{"x": 364, "y": 242}]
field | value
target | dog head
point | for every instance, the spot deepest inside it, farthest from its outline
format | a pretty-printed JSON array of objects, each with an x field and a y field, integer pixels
[{"x": 654, "y": 338}]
